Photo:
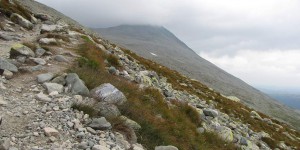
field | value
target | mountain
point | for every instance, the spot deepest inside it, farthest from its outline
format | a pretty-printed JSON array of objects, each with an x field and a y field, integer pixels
[{"x": 158, "y": 44}]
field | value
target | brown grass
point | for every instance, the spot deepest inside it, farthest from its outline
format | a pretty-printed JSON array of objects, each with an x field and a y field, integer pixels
[
  {"x": 162, "y": 123},
  {"x": 31, "y": 45},
  {"x": 58, "y": 36},
  {"x": 234, "y": 109},
  {"x": 8, "y": 9}
]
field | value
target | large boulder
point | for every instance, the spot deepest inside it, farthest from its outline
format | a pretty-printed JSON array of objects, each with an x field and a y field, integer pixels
[
  {"x": 166, "y": 148},
  {"x": 43, "y": 17},
  {"x": 100, "y": 124},
  {"x": 51, "y": 87},
  {"x": 130, "y": 123},
  {"x": 16, "y": 18},
  {"x": 21, "y": 50},
  {"x": 48, "y": 41},
  {"x": 52, "y": 28},
  {"x": 6, "y": 65},
  {"x": 108, "y": 110},
  {"x": 226, "y": 134},
  {"x": 76, "y": 85},
  {"x": 109, "y": 94},
  {"x": 210, "y": 112}
]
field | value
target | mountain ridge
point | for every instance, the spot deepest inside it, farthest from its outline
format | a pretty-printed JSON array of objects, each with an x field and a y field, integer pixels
[{"x": 174, "y": 53}]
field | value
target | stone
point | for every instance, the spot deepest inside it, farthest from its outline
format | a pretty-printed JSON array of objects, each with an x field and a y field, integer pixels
[
  {"x": 60, "y": 79},
  {"x": 137, "y": 146},
  {"x": 243, "y": 141},
  {"x": 42, "y": 97},
  {"x": 166, "y": 148},
  {"x": 120, "y": 141},
  {"x": 48, "y": 41},
  {"x": 21, "y": 50},
  {"x": 48, "y": 28},
  {"x": 7, "y": 74},
  {"x": 5, "y": 144},
  {"x": 233, "y": 98},
  {"x": 130, "y": 123},
  {"x": 210, "y": 112},
  {"x": 99, "y": 147},
  {"x": 255, "y": 115},
  {"x": 76, "y": 85},
  {"x": 109, "y": 94},
  {"x": 43, "y": 17},
  {"x": 2, "y": 101},
  {"x": 51, "y": 132},
  {"x": 6, "y": 65},
  {"x": 16, "y": 18},
  {"x": 50, "y": 87},
  {"x": 83, "y": 145},
  {"x": 40, "y": 52},
  {"x": 200, "y": 130},
  {"x": 91, "y": 130},
  {"x": 46, "y": 77},
  {"x": 226, "y": 134},
  {"x": 60, "y": 58},
  {"x": 39, "y": 61},
  {"x": 108, "y": 110},
  {"x": 112, "y": 70},
  {"x": 100, "y": 124}
]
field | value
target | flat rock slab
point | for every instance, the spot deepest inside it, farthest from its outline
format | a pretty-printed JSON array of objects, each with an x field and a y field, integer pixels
[
  {"x": 51, "y": 132},
  {"x": 51, "y": 87},
  {"x": 5, "y": 64},
  {"x": 108, "y": 93}
]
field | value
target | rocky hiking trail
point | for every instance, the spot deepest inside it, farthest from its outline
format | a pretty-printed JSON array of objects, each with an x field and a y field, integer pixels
[{"x": 39, "y": 94}]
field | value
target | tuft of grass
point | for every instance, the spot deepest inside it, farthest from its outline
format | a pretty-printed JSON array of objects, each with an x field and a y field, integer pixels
[
  {"x": 58, "y": 36},
  {"x": 113, "y": 60},
  {"x": 87, "y": 62},
  {"x": 271, "y": 143},
  {"x": 31, "y": 45},
  {"x": 234, "y": 109},
  {"x": 86, "y": 39},
  {"x": 7, "y": 9},
  {"x": 87, "y": 109}
]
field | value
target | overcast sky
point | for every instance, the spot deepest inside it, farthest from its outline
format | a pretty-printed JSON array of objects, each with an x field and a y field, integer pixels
[{"x": 255, "y": 40}]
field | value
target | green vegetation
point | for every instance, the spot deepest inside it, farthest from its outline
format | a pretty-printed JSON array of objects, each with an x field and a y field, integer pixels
[{"x": 163, "y": 123}]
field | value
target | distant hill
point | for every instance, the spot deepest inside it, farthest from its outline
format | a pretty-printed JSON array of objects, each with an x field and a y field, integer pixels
[{"x": 159, "y": 44}]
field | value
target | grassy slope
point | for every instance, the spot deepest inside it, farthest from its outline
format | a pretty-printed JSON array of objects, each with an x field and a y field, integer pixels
[{"x": 162, "y": 123}]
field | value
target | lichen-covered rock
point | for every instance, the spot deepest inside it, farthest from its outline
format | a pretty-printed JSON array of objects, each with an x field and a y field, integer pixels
[
  {"x": 20, "y": 50},
  {"x": 109, "y": 94},
  {"x": 226, "y": 134}
]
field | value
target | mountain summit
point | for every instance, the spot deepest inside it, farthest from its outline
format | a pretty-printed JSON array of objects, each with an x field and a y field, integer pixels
[{"x": 159, "y": 44}]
